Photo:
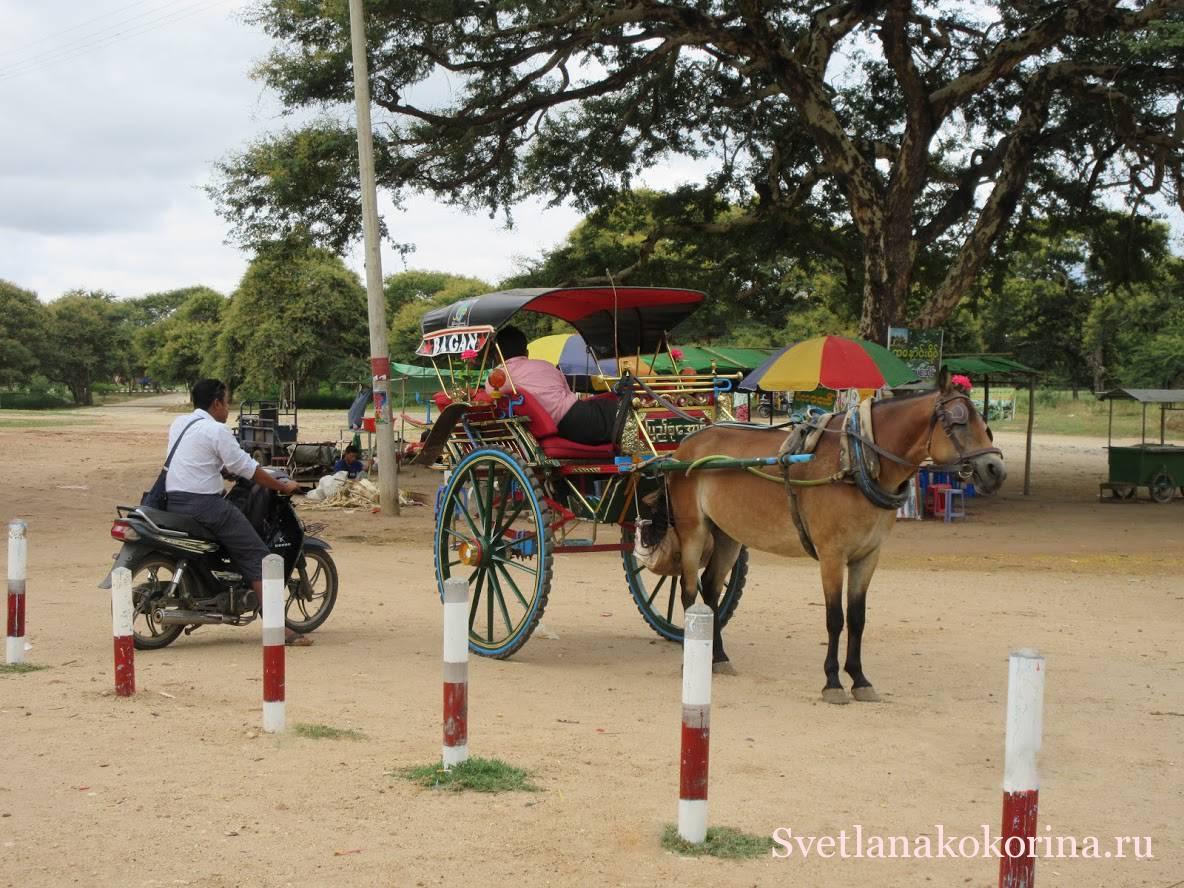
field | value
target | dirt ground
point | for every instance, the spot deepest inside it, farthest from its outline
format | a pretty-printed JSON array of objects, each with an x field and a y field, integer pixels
[{"x": 176, "y": 786}]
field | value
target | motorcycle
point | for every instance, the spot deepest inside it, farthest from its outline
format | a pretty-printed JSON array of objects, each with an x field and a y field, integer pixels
[{"x": 182, "y": 578}]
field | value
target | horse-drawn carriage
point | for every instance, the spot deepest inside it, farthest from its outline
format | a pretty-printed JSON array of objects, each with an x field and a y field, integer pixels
[{"x": 516, "y": 493}]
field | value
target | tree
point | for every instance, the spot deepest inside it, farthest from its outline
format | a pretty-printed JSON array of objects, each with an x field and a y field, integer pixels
[
  {"x": 88, "y": 343},
  {"x": 913, "y": 130},
  {"x": 297, "y": 312},
  {"x": 181, "y": 347},
  {"x": 23, "y": 334}
]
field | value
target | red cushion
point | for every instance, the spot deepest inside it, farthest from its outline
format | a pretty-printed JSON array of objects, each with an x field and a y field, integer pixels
[
  {"x": 543, "y": 427},
  {"x": 561, "y": 448},
  {"x": 541, "y": 423}
]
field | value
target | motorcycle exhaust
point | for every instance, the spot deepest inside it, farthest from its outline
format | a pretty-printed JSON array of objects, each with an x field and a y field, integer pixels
[{"x": 174, "y": 617}]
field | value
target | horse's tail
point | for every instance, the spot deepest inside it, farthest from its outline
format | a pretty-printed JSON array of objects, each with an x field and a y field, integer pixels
[{"x": 656, "y": 542}]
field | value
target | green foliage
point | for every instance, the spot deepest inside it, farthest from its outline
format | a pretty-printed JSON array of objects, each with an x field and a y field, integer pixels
[
  {"x": 721, "y": 841},
  {"x": 296, "y": 312},
  {"x": 180, "y": 348},
  {"x": 475, "y": 774},
  {"x": 905, "y": 163},
  {"x": 24, "y": 334},
  {"x": 88, "y": 342}
]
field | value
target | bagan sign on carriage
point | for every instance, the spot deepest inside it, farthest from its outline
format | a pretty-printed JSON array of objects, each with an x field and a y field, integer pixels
[{"x": 453, "y": 341}]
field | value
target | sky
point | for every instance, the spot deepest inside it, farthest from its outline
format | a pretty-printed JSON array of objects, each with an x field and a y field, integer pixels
[{"x": 112, "y": 115}]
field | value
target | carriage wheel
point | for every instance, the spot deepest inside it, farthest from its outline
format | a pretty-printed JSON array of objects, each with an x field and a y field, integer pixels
[
  {"x": 1163, "y": 489},
  {"x": 659, "y": 598},
  {"x": 494, "y": 529}
]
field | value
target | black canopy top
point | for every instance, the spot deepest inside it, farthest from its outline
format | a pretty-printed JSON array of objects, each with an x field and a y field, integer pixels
[{"x": 642, "y": 314}]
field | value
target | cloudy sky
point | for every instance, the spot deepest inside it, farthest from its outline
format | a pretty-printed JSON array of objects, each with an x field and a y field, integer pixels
[{"x": 112, "y": 113}]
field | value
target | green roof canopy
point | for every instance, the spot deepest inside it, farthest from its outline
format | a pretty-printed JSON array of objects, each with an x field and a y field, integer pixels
[
  {"x": 726, "y": 358},
  {"x": 986, "y": 365},
  {"x": 1144, "y": 396}
]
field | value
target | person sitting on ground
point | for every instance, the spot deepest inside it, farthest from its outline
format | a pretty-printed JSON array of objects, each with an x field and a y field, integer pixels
[
  {"x": 194, "y": 483},
  {"x": 350, "y": 463},
  {"x": 585, "y": 421}
]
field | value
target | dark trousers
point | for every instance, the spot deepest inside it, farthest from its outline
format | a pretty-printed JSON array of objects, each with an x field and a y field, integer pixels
[
  {"x": 229, "y": 525},
  {"x": 591, "y": 421}
]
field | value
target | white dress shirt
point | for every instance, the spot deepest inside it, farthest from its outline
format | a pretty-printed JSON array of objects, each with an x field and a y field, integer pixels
[{"x": 205, "y": 449}]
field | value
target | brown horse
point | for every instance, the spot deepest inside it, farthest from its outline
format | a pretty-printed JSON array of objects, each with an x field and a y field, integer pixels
[{"x": 737, "y": 508}]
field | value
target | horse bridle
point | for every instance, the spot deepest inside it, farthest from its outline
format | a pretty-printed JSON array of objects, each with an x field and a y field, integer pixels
[{"x": 953, "y": 411}]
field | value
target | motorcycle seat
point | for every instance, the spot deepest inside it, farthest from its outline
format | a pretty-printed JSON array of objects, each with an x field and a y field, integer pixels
[{"x": 173, "y": 521}]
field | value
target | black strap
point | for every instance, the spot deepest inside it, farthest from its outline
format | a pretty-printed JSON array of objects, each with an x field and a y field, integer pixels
[{"x": 169, "y": 458}]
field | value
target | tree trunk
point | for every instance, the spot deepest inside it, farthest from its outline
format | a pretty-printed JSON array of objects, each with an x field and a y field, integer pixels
[{"x": 886, "y": 279}]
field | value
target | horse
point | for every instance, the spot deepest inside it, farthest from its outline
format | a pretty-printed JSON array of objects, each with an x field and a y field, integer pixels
[{"x": 841, "y": 524}]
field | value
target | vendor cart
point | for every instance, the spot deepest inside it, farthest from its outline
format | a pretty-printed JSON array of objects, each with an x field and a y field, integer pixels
[{"x": 1158, "y": 467}]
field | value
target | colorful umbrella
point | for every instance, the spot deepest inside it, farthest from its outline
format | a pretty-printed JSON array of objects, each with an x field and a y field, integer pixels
[
  {"x": 571, "y": 355},
  {"x": 835, "y": 362}
]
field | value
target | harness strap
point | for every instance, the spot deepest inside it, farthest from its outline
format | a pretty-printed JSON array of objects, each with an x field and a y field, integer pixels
[{"x": 794, "y": 512}]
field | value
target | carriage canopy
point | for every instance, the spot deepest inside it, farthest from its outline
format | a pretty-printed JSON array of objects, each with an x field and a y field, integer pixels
[{"x": 631, "y": 319}]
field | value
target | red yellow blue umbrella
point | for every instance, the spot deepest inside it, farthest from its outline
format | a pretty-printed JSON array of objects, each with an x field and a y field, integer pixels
[{"x": 834, "y": 362}]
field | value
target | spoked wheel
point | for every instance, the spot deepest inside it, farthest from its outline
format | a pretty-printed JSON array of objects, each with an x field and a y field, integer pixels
[
  {"x": 1163, "y": 489},
  {"x": 659, "y": 598},
  {"x": 494, "y": 530},
  {"x": 312, "y": 591},
  {"x": 151, "y": 579}
]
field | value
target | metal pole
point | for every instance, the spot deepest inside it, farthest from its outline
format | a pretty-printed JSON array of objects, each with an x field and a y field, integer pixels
[{"x": 380, "y": 362}]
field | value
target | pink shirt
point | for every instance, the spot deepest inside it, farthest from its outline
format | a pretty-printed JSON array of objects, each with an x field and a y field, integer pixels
[{"x": 543, "y": 382}]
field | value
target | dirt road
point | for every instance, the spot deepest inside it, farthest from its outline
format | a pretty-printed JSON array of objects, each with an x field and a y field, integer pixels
[{"x": 177, "y": 787}]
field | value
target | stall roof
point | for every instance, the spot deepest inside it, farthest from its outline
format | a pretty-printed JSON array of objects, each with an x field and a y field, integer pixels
[
  {"x": 726, "y": 358},
  {"x": 985, "y": 365},
  {"x": 1143, "y": 396}
]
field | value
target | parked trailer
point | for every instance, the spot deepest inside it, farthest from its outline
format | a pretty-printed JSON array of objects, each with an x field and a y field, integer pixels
[{"x": 1158, "y": 467}]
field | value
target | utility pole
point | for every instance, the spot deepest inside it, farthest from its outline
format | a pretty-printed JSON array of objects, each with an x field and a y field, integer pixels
[{"x": 380, "y": 361}]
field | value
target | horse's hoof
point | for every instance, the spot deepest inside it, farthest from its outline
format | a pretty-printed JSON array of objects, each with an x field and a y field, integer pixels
[
  {"x": 835, "y": 695},
  {"x": 724, "y": 667},
  {"x": 866, "y": 694}
]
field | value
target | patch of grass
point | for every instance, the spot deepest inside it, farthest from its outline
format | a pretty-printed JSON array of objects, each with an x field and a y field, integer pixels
[
  {"x": 326, "y": 732},
  {"x": 20, "y": 668},
  {"x": 476, "y": 774},
  {"x": 722, "y": 841}
]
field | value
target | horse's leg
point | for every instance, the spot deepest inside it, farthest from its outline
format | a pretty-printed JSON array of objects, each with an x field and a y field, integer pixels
[
  {"x": 859, "y": 577},
  {"x": 831, "y": 568},
  {"x": 723, "y": 558}
]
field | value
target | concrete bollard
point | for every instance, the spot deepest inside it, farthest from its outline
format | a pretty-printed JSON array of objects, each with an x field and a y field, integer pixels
[
  {"x": 1021, "y": 785},
  {"x": 696, "y": 723},
  {"x": 17, "y": 567},
  {"x": 122, "y": 615},
  {"x": 274, "y": 717},
  {"x": 456, "y": 671}
]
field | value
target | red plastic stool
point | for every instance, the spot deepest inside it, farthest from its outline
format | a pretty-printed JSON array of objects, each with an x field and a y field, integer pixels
[{"x": 937, "y": 499}]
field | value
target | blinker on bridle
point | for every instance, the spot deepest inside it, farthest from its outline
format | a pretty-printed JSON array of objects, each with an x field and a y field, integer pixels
[{"x": 953, "y": 412}]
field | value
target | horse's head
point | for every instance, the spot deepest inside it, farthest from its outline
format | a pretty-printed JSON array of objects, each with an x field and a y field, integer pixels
[{"x": 961, "y": 438}]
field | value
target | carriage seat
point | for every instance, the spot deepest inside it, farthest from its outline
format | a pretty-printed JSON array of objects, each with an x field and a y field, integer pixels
[{"x": 543, "y": 427}]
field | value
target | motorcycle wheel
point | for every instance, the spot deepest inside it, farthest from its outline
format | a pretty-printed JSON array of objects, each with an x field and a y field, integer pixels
[
  {"x": 150, "y": 579},
  {"x": 312, "y": 592}
]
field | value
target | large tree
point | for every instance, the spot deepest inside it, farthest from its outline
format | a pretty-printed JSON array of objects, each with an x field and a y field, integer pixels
[
  {"x": 24, "y": 329},
  {"x": 912, "y": 130},
  {"x": 297, "y": 312},
  {"x": 89, "y": 340}
]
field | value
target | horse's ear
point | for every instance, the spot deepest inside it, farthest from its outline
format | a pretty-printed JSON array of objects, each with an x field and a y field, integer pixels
[{"x": 943, "y": 380}]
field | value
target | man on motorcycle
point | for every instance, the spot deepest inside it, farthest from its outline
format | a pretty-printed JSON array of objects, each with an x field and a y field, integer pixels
[{"x": 194, "y": 483}]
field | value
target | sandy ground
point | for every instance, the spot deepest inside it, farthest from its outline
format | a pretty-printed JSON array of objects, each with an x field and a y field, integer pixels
[{"x": 176, "y": 786}]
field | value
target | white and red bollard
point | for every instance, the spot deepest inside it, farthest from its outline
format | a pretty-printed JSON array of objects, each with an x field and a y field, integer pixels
[
  {"x": 273, "y": 644},
  {"x": 456, "y": 671},
  {"x": 696, "y": 723},
  {"x": 122, "y": 614},
  {"x": 17, "y": 567},
  {"x": 1021, "y": 785}
]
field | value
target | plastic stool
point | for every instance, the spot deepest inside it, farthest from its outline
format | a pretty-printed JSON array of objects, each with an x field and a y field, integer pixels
[
  {"x": 950, "y": 512},
  {"x": 937, "y": 499}
]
